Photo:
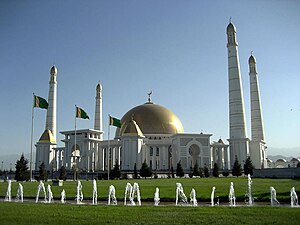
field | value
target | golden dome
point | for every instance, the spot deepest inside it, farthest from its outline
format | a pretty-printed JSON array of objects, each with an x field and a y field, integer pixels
[
  {"x": 47, "y": 136},
  {"x": 133, "y": 129},
  {"x": 151, "y": 119}
]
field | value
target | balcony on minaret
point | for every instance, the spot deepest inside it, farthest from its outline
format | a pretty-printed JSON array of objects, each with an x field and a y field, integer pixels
[
  {"x": 252, "y": 64},
  {"x": 231, "y": 35}
]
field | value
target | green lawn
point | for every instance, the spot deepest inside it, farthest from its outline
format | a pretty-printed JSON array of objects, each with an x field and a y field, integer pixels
[
  {"x": 70, "y": 213},
  {"x": 203, "y": 186},
  {"x": 26, "y": 213}
]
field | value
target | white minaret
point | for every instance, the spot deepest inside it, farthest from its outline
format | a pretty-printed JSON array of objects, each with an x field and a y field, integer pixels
[
  {"x": 46, "y": 144},
  {"x": 98, "y": 110},
  {"x": 238, "y": 141},
  {"x": 258, "y": 147},
  {"x": 51, "y": 111}
]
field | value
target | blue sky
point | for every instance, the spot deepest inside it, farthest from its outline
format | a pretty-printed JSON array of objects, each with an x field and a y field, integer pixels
[{"x": 177, "y": 49}]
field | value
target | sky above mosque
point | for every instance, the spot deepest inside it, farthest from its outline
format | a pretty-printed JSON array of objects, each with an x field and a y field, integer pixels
[{"x": 176, "y": 49}]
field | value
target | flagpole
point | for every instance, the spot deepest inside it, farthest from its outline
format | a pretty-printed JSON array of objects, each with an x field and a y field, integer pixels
[
  {"x": 32, "y": 125},
  {"x": 108, "y": 156},
  {"x": 75, "y": 148}
]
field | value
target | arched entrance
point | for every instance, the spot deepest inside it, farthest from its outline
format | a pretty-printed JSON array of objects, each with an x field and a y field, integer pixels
[
  {"x": 194, "y": 151},
  {"x": 75, "y": 156}
]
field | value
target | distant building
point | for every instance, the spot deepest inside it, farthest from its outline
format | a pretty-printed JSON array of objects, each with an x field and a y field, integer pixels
[{"x": 282, "y": 163}]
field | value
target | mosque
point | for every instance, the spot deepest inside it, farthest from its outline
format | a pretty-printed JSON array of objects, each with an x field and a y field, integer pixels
[{"x": 152, "y": 133}]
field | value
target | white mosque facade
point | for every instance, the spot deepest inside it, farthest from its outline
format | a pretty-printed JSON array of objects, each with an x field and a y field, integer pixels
[{"x": 152, "y": 133}]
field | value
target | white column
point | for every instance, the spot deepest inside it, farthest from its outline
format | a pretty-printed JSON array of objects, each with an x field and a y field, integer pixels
[
  {"x": 220, "y": 157},
  {"x": 226, "y": 162},
  {"x": 98, "y": 110},
  {"x": 237, "y": 124},
  {"x": 51, "y": 111},
  {"x": 257, "y": 131}
]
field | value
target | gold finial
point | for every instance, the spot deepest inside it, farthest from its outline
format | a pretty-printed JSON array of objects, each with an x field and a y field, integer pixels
[
  {"x": 230, "y": 19},
  {"x": 149, "y": 96}
]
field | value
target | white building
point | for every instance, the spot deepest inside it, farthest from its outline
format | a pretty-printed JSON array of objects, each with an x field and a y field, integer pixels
[
  {"x": 152, "y": 133},
  {"x": 149, "y": 132}
]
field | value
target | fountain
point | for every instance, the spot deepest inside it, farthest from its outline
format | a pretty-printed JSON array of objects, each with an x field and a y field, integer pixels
[
  {"x": 132, "y": 192},
  {"x": 8, "y": 192},
  {"x": 41, "y": 187},
  {"x": 128, "y": 191},
  {"x": 112, "y": 200},
  {"x": 156, "y": 197},
  {"x": 231, "y": 195},
  {"x": 136, "y": 193},
  {"x": 212, "y": 196},
  {"x": 249, "y": 194},
  {"x": 180, "y": 194},
  {"x": 79, "y": 196},
  {"x": 63, "y": 196},
  {"x": 193, "y": 199},
  {"x": 50, "y": 194},
  {"x": 294, "y": 198},
  {"x": 20, "y": 193},
  {"x": 274, "y": 201},
  {"x": 94, "y": 192}
]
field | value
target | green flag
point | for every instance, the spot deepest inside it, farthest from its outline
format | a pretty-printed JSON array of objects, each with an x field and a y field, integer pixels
[
  {"x": 114, "y": 122},
  {"x": 80, "y": 113},
  {"x": 39, "y": 102}
]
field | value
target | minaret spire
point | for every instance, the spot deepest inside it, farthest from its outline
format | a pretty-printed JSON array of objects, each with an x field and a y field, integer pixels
[
  {"x": 98, "y": 110},
  {"x": 45, "y": 146},
  {"x": 51, "y": 111},
  {"x": 238, "y": 140},
  {"x": 257, "y": 144}
]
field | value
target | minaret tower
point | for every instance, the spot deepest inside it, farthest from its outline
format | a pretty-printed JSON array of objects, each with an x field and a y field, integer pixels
[
  {"x": 238, "y": 141},
  {"x": 45, "y": 146},
  {"x": 257, "y": 145},
  {"x": 98, "y": 110},
  {"x": 51, "y": 111}
]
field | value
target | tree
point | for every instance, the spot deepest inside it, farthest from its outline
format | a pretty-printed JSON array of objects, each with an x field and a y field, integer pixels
[
  {"x": 145, "y": 170},
  {"x": 237, "y": 168},
  {"x": 206, "y": 172},
  {"x": 196, "y": 171},
  {"x": 116, "y": 173},
  {"x": 298, "y": 164},
  {"x": 225, "y": 173},
  {"x": 135, "y": 173},
  {"x": 172, "y": 172},
  {"x": 22, "y": 172},
  {"x": 216, "y": 170},
  {"x": 179, "y": 170},
  {"x": 248, "y": 166},
  {"x": 201, "y": 172},
  {"x": 43, "y": 172},
  {"x": 62, "y": 173}
]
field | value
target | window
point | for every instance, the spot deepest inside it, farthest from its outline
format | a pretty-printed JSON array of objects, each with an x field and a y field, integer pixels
[
  {"x": 157, "y": 151},
  {"x": 151, "y": 151}
]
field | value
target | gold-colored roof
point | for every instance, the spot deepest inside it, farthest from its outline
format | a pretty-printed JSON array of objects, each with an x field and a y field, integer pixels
[
  {"x": 53, "y": 70},
  {"x": 133, "y": 129},
  {"x": 47, "y": 136},
  {"x": 220, "y": 141},
  {"x": 231, "y": 28},
  {"x": 152, "y": 119},
  {"x": 252, "y": 59}
]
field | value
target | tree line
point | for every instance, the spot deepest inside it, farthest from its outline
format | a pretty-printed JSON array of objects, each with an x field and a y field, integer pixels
[{"x": 22, "y": 172}]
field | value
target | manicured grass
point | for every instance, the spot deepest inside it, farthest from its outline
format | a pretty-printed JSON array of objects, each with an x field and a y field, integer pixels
[
  {"x": 26, "y": 213},
  {"x": 203, "y": 186}
]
